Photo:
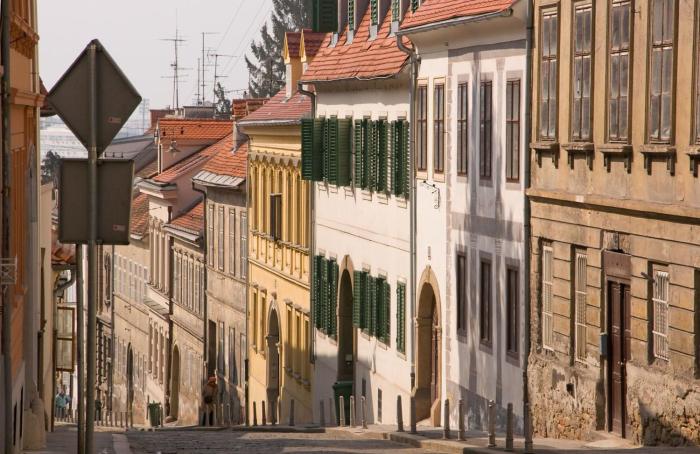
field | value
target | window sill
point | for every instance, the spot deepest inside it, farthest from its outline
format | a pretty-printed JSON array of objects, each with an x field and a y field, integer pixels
[
  {"x": 693, "y": 154},
  {"x": 548, "y": 147},
  {"x": 616, "y": 150},
  {"x": 574, "y": 149},
  {"x": 660, "y": 151}
]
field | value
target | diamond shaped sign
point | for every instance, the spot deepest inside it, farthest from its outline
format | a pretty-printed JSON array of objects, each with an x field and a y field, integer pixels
[{"x": 116, "y": 97}]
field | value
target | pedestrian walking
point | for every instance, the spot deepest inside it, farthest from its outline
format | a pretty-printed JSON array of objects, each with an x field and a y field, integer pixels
[
  {"x": 209, "y": 391},
  {"x": 60, "y": 402}
]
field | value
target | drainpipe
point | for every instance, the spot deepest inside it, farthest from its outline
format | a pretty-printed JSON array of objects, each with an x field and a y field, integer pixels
[
  {"x": 5, "y": 250},
  {"x": 311, "y": 218},
  {"x": 205, "y": 312},
  {"x": 415, "y": 63},
  {"x": 526, "y": 212},
  {"x": 110, "y": 377}
]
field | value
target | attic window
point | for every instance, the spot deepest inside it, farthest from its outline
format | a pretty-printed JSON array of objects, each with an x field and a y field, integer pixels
[
  {"x": 351, "y": 14},
  {"x": 375, "y": 11},
  {"x": 395, "y": 10},
  {"x": 414, "y": 5}
]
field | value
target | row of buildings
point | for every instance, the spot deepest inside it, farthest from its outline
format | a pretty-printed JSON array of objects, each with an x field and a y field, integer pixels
[{"x": 450, "y": 199}]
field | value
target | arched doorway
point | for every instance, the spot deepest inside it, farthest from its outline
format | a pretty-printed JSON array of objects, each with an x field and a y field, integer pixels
[
  {"x": 175, "y": 385},
  {"x": 346, "y": 331},
  {"x": 273, "y": 364},
  {"x": 429, "y": 356},
  {"x": 129, "y": 379}
]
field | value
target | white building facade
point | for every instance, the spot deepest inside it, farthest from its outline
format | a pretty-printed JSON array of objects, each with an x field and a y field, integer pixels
[{"x": 469, "y": 133}]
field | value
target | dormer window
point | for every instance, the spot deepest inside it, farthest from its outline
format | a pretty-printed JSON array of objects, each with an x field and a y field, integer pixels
[
  {"x": 351, "y": 14},
  {"x": 374, "y": 4},
  {"x": 414, "y": 5}
]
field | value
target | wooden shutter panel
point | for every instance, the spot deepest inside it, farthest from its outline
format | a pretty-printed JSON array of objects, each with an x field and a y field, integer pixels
[
  {"x": 405, "y": 159},
  {"x": 372, "y": 155},
  {"x": 386, "y": 311},
  {"x": 343, "y": 148},
  {"x": 364, "y": 314},
  {"x": 351, "y": 14},
  {"x": 333, "y": 300},
  {"x": 372, "y": 306},
  {"x": 307, "y": 148},
  {"x": 359, "y": 161},
  {"x": 326, "y": 149},
  {"x": 316, "y": 291},
  {"x": 325, "y": 15},
  {"x": 374, "y": 11},
  {"x": 401, "y": 317},
  {"x": 382, "y": 155},
  {"x": 414, "y": 5},
  {"x": 356, "y": 298},
  {"x": 324, "y": 295}
]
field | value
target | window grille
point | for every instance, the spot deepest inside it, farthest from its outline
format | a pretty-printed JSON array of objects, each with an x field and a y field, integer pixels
[
  {"x": 547, "y": 283},
  {"x": 580, "y": 295},
  {"x": 660, "y": 304}
]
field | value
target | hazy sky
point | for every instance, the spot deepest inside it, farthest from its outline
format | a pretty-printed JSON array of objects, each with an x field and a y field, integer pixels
[{"x": 132, "y": 31}]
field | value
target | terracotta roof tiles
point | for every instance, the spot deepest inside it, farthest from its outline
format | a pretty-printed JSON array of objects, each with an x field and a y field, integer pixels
[
  {"x": 361, "y": 59},
  {"x": 192, "y": 220},
  {"x": 190, "y": 163},
  {"x": 311, "y": 42},
  {"x": 281, "y": 109},
  {"x": 193, "y": 129},
  {"x": 292, "y": 44},
  {"x": 227, "y": 162},
  {"x": 139, "y": 215},
  {"x": 433, "y": 11}
]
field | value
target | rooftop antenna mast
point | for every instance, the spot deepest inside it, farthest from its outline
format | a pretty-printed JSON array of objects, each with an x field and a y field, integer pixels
[
  {"x": 203, "y": 79},
  {"x": 177, "y": 40},
  {"x": 216, "y": 68}
]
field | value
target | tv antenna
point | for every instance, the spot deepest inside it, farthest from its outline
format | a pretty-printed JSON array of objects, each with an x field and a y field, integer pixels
[
  {"x": 216, "y": 67},
  {"x": 203, "y": 79},
  {"x": 177, "y": 42}
]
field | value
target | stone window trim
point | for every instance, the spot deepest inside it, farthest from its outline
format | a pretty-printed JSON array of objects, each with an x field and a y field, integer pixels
[
  {"x": 462, "y": 317},
  {"x": 652, "y": 152},
  {"x": 614, "y": 151},
  {"x": 546, "y": 148},
  {"x": 486, "y": 128},
  {"x": 579, "y": 306},
  {"x": 585, "y": 149},
  {"x": 513, "y": 266},
  {"x": 661, "y": 46},
  {"x": 421, "y": 152},
  {"x": 622, "y": 52},
  {"x": 440, "y": 123},
  {"x": 693, "y": 154},
  {"x": 486, "y": 263},
  {"x": 545, "y": 300},
  {"x": 548, "y": 11},
  {"x": 580, "y": 52},
  {"x": 659, "y": 305}
]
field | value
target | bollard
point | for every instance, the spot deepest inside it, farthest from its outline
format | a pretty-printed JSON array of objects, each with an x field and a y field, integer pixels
[
  {"x": 322, "y": 417},
  {"x": 412, "y": 414},
  {"x": 162, "y": 420},
  {"x": 273, "y": 411},
  {"x": 341, "y": 411},
  {"x": 364, "y": 412},
  {"x": 264, "y": 415},
  {"x": 227, "y": 415},
  {"x": 492, "y": 424},
  {"x": 509, "y": 428},
  {"x": 527, "y": 423},
  {"x": 331, "y": 412},
  {"x": 460, "y": 431},
  {"x": 352, "y": 411},
  {"x": 399, "y": 414},
  {"x": 255, "y": 414},
  {"x": 446, "y": 420},
  {"x": 291, "y": 412}
]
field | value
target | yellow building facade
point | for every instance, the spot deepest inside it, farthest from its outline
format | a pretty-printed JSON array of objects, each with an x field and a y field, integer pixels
[{"x": 279, "y": 309}]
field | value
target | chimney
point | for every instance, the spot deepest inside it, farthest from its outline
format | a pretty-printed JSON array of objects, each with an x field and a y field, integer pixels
[{"x": 292, "y": 61}]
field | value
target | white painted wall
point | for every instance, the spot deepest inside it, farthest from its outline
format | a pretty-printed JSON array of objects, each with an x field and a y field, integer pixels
[{"x": 373, "y": 231}]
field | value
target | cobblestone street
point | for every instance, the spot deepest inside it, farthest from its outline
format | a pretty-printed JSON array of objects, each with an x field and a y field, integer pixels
[{"x": 190, "y": 442}]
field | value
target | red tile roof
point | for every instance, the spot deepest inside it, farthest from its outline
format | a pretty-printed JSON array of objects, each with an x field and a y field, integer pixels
[
  {"x": 192, "y": 220},
  {"x": 193, "y": 129},
  {"x": 149, "y": 171},
  {"x": 226, "y": 162},
  {"x": 432, "y": 11},
  {"x": 139, "y": 215},
  {"x": 311, "y": 42},
  {"x": 242, "y": 107},
  {"x": 188, "y": 164},
  {"x": 281, "y": 109},
  {"x": 361, "y": 59},
  {"x": 292, "y": 42}
]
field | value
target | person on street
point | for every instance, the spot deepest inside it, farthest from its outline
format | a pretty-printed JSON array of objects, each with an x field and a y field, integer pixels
[
  {"x": 209, "y": 391},
  {"x": 60, "y": 402}
]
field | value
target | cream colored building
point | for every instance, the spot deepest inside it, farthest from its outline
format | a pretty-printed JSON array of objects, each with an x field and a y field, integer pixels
[
  {"x": 615, "y": 202},
  {"x": 279, "y": 318}
]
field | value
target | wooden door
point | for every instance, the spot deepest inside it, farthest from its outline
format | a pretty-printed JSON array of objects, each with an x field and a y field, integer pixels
[
  {"x": 618, "y": 320},
  {"x": 434, "y": 358}
]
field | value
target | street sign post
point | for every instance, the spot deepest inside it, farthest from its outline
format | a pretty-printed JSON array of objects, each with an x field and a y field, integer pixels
[{"x": 94, "y": 99}]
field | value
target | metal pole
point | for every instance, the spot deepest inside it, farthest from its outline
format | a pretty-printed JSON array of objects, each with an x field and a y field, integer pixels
[
  {"x": 92, "y": 255},
  {"x": 80, "y": 307}
]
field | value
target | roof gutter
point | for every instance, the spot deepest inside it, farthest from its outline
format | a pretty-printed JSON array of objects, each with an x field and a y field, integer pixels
[
  {"x": 454, "y": 22},
  {"x": 414, "y": 60},
  {"x": 255, "y": 123}
]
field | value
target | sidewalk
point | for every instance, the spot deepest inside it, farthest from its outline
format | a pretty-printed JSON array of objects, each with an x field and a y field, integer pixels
[
  {"x": 64, "y": 440},
  {"x": 430, "y": 438}
]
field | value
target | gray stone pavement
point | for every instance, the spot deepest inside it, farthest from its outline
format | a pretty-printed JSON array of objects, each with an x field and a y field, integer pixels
[
  {"x": 64, "y": 440},
  {"x": 229, "y": 441}
]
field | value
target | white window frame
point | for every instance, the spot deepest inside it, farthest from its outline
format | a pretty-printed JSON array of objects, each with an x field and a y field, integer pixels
[
  {"x": 660, "y": 297},
  {"x": 580, "y": 301},
  {"x": 547, "y": 296}
]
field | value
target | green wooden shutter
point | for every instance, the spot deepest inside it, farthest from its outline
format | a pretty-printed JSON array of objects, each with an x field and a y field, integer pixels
[
  {"x": 316, "y": 291},
  {"x": 395, "y": 13},
  {"x": 351, "y": 14},
  {"x": 372, "y": 155},
  {"x": 343, "y": 154},
  {"x": 364, "y": 319},
  {"x": 359, "y": 162},
  {"x": 327, "y": 149},
  {"x": 333, "y": 300},
  {"x": 374, "y": 11},
  {"x": 405, "y": 159},
  {"x": 382, "y": 155},
  {"x": 356, "y": 298},
  {"x": 386, "y": 312},
  {"x": 325, "y": 15},
  {"x": 379, "y": 309},
  {"x": 372, "y": 290},
  {"x": 396, "y": 163},
  {"x": 324, "y": 296},
  {"x": 414, "y": 5},
  {"x": 311, "y": 148},
  {"x": 401, "y": 317}
]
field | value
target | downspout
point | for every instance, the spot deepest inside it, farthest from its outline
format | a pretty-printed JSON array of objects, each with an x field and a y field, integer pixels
[
  {"x": 415, "y": 62},
  {"x": 110, "y": 377},
  {"x": 5, "y": 249},
  {"x": 205, "y": 312},
  {"x": 168, "y": 356},
  {"x": 312, "y": 223},
  {"x": 526, "y": 213}
]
